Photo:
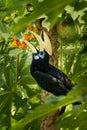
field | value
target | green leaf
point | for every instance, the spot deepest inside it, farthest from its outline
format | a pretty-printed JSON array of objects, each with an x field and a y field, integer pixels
[
  {"x": 85, "y": 18},
  {"x": 27, "y": 79},
  {"x": 41, "y": 8},
  {"x": 2, "y": 92},
  {"x": 43, "y": 110},
  {"x": 12, "y": 6},
  {"x": 53, "y": 99},
  {"x": 7, "y": 75},
  {"x": 3, "y": 28},
  {"x": 4, "y": 101},
  {"x": 80, "y": 5},
  {"x": 79, "y": 74},
  {"x": 49, "y": 22},
  {"x": 69, "y": 62},
  {"x": 81, "y": 78},
  {"x": 15, "y": 51},
  {"x": 30, "y": 92},
  {"x": 75, "y": 119}
]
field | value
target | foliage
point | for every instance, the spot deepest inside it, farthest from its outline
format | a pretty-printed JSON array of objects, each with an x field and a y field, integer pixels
[{"x": 20, "y": 106}]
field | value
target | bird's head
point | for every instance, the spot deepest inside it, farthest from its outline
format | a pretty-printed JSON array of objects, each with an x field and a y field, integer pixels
[{"x": 41, "y": 57}]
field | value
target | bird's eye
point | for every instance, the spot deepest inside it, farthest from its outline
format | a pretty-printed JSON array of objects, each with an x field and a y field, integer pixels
[
  {"x": 36, "y": 57},
  {"x": 41, "y": 55}
]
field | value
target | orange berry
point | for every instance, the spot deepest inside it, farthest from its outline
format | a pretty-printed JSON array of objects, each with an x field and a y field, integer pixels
[
  {"x": 18, "y": 42},
  {"x": 26, "y": 37},
  {"x": 30, "y": 28},
  {"x": 23, "y": 45}
]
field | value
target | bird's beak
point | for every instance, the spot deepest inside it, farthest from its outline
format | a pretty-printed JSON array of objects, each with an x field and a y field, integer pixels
[
  {"x": 31, "y": 46},
  {"x": 47, "y": 43},
  {"x": 44, "y": 42}
]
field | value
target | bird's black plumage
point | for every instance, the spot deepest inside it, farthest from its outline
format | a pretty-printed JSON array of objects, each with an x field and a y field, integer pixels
[
  {"x": 46, "y": 75},
  {"x": 49, "y": 77}
]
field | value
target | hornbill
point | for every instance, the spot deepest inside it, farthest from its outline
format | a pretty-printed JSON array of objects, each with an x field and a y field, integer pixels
[{"x": 46, "y": 75}]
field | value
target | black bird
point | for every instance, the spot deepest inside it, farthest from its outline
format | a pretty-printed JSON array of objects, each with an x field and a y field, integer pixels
[{"x": 47, "y": 76}]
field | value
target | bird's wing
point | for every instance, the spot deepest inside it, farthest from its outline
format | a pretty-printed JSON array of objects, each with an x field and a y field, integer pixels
[
  {"x": 50, "y": 83},
  {"x": 61, "y": 76}
]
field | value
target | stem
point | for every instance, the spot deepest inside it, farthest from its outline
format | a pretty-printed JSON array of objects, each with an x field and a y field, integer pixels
[
  {"x": 10, "y": 106},
  {"x": 17, "y": 67},
  {"x": 61, "y": 53},
  {"x": 14, "y": 87}
]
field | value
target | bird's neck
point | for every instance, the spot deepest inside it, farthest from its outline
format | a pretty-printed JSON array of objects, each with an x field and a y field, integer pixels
[{"x": 43, "y": 67}]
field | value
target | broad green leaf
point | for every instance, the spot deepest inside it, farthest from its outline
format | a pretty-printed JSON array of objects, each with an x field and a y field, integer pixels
[
  {"x": 40, "y": 9},
  {"x": 27, "y": 79},
  {"x": 43, "y": 110},
  {"x": 75, "y": 119},
  {"x": 49, "y": 22},
  {"x": 12, "y": 6},
  {"x": 53, "y": 99}
]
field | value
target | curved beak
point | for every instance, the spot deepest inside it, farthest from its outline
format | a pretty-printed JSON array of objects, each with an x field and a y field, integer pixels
[
  {"x": 44, "y": 42},
  {"x": 31, "y": 46},
  {"x": 47, "y": 43}
]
